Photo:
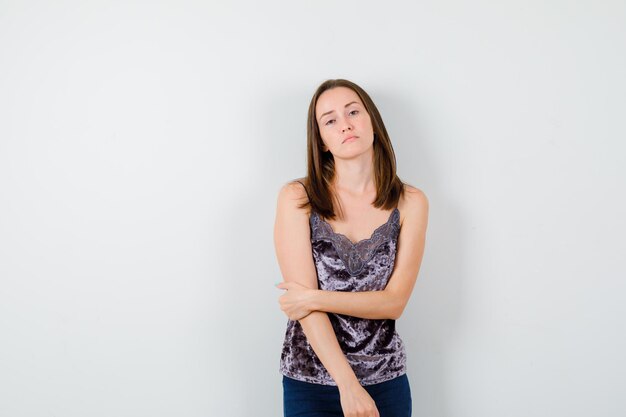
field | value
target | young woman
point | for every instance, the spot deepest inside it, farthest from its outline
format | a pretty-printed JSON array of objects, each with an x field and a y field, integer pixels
[{"x": 349, "y": 240}]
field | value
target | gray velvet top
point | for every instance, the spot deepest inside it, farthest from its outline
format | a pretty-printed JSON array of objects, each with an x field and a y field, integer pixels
[{"x": 372, "y": 347}]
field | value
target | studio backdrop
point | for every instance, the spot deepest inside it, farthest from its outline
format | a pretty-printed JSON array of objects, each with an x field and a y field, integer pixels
[{"x": 143, "y": 145}]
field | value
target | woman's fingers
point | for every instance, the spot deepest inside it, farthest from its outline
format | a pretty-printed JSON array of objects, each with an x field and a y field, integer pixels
[{"x": 356, "y": 402}]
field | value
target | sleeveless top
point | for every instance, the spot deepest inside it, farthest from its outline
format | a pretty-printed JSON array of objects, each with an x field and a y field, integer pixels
[{"x": 373, "y": 348}]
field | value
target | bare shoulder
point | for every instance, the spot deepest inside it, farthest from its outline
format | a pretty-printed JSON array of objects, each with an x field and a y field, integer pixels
[
  {"x": 293, "y": 189},
  {"x": 292, "y": 194},
  {"x": 414, "y": 204},
  {"x": 414, "y": 198}
]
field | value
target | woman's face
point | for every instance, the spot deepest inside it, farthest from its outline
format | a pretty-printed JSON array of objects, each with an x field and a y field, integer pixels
[{"x": 344, "y": 124}]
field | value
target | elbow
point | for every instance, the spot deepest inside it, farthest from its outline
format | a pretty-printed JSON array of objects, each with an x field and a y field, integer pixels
[
  {"x": 396, "y": 301},
  {"x": 395, "y": 314},
  {"x": 397, "y": 310}
]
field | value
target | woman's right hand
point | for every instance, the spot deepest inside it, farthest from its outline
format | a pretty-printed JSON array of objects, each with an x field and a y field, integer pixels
[{"x": 356, "y": 402}]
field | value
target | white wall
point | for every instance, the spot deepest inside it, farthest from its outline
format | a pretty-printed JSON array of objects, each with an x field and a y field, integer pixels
[{"x": 142, "y": 146}]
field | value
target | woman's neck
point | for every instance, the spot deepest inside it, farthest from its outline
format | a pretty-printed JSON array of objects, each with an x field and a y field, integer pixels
[{"x": 354, "y": 176}]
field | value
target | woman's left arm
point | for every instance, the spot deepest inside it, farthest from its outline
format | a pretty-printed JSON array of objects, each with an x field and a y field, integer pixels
[{"x": 389, "y": 303}]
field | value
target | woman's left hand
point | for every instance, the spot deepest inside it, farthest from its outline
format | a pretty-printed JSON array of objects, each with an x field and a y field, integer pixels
[{"x": 295, "y": 303}]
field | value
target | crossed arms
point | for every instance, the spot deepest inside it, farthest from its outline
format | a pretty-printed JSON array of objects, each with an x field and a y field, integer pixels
[{"x": 303, "y": 296}]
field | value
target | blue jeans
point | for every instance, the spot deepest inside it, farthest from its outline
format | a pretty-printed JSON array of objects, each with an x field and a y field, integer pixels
[{"x": 303, "y": 399}]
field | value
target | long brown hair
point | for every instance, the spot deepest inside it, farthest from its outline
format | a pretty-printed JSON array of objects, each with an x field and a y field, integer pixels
[{"x": 321, "y": 165}]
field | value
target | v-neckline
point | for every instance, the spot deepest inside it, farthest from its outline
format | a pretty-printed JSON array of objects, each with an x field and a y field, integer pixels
[{"x": 362, "y": 240}]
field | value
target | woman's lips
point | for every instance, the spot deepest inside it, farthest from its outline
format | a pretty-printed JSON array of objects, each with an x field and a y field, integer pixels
[{"x": 349, "y": 139}]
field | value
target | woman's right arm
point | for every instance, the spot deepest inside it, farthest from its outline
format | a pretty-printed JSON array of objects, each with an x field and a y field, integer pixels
[{"x": 292, "y": 241}]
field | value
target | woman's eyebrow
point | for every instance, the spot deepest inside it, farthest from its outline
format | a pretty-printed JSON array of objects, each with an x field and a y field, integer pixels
[{"x": 352, "y": 102}]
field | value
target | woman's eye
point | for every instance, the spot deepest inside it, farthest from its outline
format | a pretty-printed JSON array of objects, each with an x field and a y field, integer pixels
[{"x": 332, "y": 120}]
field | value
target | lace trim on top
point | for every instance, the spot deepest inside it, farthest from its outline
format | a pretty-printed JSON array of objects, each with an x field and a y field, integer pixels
[{"x": 356, "y": 255}]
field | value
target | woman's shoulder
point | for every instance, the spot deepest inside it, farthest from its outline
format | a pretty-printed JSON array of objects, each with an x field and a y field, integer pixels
[
  {"x": 294, "y": 188},
  {"x": 413, "y": 201},
  {"x": 411, "y": 192},
  {"x": 293, "y": 194}
]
